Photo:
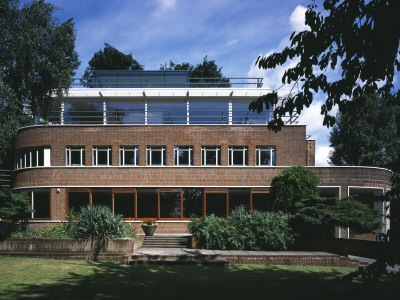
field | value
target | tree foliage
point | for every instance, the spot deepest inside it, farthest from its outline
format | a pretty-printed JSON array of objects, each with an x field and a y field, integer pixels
[
  {"x": 359, "y": 37},
  {"x": 367, "y": 134},
  {"x": 291, "y": 186},
  {"x": 37, "y": 60},
  {"x": 316, "y": 216},
  {"x": 110, "y": 58},
  {"x": 14, "y": 206},
  {"x": 207, "y": 69}
]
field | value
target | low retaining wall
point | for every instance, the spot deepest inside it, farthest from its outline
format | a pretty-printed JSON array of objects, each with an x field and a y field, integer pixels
[
  {"x": 114, "y": 249},
  {"x": 363, "y": 248}
]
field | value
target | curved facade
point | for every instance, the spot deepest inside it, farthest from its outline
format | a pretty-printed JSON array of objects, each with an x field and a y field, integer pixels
[{"x": 169, "y": 153}]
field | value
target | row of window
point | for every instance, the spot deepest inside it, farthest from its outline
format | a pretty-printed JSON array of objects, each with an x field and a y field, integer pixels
[
  {"x": 32, "y": 157},
  {"x": 183, "y": 156},
  {"x": 161, "y": 203}
]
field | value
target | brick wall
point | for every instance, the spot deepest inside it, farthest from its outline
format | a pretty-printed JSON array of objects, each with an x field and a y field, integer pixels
[{"x": 290, "y": 142}]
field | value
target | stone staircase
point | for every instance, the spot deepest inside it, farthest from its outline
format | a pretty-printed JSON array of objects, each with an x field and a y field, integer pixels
[{"x": 166, "y": 241}]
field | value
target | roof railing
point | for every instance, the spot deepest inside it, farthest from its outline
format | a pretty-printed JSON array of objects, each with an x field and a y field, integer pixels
[{"x": 165, "y": 82}]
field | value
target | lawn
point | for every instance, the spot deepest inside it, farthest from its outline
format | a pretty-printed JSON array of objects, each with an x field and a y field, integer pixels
[{"x": 34, "y": 278}]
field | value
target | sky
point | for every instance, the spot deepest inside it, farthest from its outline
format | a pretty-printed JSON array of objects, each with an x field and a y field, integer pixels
[{"x": 231, "y": 32}]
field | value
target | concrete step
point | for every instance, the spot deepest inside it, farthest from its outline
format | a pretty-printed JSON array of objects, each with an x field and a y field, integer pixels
[{"x": 166, "y": 241}]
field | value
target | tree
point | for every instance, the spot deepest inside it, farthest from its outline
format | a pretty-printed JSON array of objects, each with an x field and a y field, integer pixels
[
  {"x": 291, "y": 186},
  {"x": 207, "y": 69},
  {"x": 367, "y": 134},
  {"x": 110, "y": 58},
  {"x": 295, "y": 191},
  {"x": 359, "y": 37},
  {"x": 37, "y": 59},
  {"x": 14, "y": 206}
]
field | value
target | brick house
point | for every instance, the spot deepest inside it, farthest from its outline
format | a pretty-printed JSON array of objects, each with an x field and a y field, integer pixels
[{"x": 159, "y": 144}]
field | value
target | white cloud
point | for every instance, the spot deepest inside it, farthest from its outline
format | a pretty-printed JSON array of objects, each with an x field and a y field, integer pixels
[
  {"x": 321, "y": 155},
  {"x": 166, "y": 4},
  {"x": 297, "y": 19}
]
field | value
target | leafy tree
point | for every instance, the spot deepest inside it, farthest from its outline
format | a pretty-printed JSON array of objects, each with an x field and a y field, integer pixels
[
  {"x": 14, "y": 206},
  {"x": 315, "y": 216},
  {"x": 359, "y": 37},
  {"x": 295, "y": 191},
  {"x": 110, "y": 58},
  {"x": 368, "y": 134},
  {"x": 207, "y": 69},
  {"x": 291, "y": 186},
  {"x": 37, "y": 59}
]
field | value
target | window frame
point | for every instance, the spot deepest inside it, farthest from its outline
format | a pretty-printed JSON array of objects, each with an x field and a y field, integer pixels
[
  {"x": 95, "y": 155},
  {"x": 243, "y": 149},
  {"x": 155, "y": 148},
  {"x": 24, "y": 157},
  {"x": 68, "y": 155},
  {"x": 177, "y": 149},
  {"x": 123, "y": 150},
  {"x": 272, "y": 151},
  {"x": 205, "y": 149}
]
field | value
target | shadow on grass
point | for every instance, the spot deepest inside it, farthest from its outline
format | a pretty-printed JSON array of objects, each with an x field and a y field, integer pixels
[{"x": 109, "y": 280}]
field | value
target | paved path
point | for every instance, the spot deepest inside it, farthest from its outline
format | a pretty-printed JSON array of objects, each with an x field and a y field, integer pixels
[{"x": 184, "y": 251}]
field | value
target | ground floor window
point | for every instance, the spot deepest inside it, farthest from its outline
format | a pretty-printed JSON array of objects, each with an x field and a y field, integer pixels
[
  {"x": 169, "y": 203},
  {"x": 41, "y": 204}
]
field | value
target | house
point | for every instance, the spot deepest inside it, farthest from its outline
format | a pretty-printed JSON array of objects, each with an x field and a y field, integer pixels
[{"x": 158, "y": 144}]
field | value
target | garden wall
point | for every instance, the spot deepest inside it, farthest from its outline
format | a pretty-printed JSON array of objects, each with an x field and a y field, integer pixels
[{"x": 115, "y": 249}]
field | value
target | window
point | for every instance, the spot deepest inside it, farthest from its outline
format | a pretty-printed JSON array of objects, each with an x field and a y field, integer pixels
[
  {"x": 209, "y": 112},
  {"x": 129, "y": 156},
  {"x": 265, "y": 156},
  {"x": 167, "y": 112},
  {"x": 155, "y": 155},
  {"x": 78, "y": 198},
  {"x": 210, "y": 155},
  {"x": 183, "y": 155},
  {"x": 238, "y": 155},
  {"x": 41, "y": 204},
  {"x": 33, "y": 157},
  {"x": 75, "y": 156},
  {"x": 102, "y": 156}
]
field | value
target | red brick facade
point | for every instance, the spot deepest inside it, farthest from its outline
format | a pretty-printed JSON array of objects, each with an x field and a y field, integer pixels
[{"x": 290, "y": 143}]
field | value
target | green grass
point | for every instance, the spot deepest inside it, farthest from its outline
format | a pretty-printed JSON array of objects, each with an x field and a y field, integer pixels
[{"x": 34, "y": 278}]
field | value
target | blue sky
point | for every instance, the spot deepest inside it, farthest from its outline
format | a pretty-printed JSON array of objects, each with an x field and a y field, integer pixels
[{"x": 231, "y": 32}]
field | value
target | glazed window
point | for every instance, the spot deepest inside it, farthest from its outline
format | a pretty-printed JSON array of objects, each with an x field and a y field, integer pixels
[
  {"x": 265, "y": 156},
  {"x": 129, "y": 155},
  {"x": 77, "y": 198},
  {"x": 33, "y": 157},
  {"x": 102, "y": 156},
  {"x": 183, "y": 155},
  {"x": 210, "y": 155},
  {"x": 156, "y": 155},
  {"x": 238, "y": 155},
  {"x": 41, "y": 204},
  {"x": 75, "y": 156}
]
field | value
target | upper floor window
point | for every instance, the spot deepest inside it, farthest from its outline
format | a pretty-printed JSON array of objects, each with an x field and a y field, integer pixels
[
  {"x": 102, "y": 156},
  {"x": 156, "y": 156},
  {"x": 265, "y": 156},
  {"x": 238, "y": 155},
  {"x": 75, "y": 156},
  {"x": 210, "y": 155},
  {"x": 33, "y": 157},
  {"x": 183, "y": 155},
  {"x": 129, "y": 155}
]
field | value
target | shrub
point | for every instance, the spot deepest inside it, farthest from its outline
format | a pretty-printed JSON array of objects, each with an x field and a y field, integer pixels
[
  {"x": 97, "y": 222},
  {"x": 291, "y": 186},
  {"x": 52, "y": 232},
  {"x": 244, "y": 230}
]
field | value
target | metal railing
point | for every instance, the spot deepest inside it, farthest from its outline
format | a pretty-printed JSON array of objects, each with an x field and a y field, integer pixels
[
  {"x": 167, "y": 82},
  {"x": 160, "y": 117},
  {"x": 5, "y": 178}
]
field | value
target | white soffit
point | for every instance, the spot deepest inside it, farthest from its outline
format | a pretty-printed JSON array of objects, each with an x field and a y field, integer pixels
[{"x": 166, "y": 92}]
